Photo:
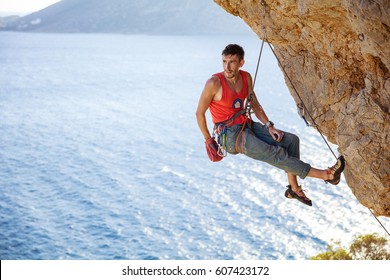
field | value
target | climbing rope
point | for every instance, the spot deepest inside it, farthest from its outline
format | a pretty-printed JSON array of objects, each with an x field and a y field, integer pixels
[
  {"x": 258, "y": 63},
  {"x": 388, "y": 233},
  {"x": 302, "y": 105}
]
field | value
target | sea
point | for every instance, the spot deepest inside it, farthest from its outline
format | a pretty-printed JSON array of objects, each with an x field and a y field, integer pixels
[{"x": 101, "y": 157}]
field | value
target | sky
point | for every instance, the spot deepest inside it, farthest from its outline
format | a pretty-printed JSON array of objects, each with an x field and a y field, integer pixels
[{"x": 22, "y": 7}]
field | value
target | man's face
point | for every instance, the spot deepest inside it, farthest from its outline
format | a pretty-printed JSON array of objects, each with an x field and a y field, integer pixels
[{"x": 231, "y": 65}]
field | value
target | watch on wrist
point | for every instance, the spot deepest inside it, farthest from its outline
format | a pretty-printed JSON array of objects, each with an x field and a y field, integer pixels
[{"x": 268, "y": 124}]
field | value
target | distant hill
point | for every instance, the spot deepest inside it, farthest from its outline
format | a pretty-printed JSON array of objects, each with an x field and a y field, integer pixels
[
  {"x": 7, "y": 20},
  {"x": 132, "y": 16}
]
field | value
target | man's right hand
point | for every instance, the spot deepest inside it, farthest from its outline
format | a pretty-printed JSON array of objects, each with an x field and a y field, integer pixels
[{"x": 213, "y": 150}]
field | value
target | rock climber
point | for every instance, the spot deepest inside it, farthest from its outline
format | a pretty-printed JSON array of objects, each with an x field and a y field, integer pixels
[{"x": 225, "y": 95}]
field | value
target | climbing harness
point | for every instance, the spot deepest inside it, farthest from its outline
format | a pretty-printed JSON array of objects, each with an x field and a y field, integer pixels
[
  {"x": 220, "y": 129},
  {"x": 302, "y": 109}
]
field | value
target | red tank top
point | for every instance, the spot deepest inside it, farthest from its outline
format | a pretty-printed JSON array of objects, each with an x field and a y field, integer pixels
[{"x": 231, "y": 102}]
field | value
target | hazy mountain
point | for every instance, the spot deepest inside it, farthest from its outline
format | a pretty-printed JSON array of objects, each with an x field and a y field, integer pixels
[
  {"x": 7, "y": 20},
  {"x": 132, "y": 16}
]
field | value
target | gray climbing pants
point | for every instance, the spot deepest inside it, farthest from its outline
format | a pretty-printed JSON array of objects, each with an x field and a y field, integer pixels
[{"x": 259, "y": 145}]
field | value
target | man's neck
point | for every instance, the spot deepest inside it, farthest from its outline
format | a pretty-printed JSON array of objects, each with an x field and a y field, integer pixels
[{"x": 233, "y": 80}]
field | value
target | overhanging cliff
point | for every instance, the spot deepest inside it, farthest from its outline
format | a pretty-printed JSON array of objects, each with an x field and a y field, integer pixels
[{"x": 337, "y": 54}]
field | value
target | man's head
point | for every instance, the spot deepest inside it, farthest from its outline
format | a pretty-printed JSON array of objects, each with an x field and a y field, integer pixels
[
  {"x": 233, "y": 60},
  {"x": 234, "y": 49}
]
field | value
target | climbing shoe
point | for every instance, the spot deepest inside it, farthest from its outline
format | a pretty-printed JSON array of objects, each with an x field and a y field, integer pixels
[
  {"x": 303, "y": 198},
  {"x": 336, "y": 170}
]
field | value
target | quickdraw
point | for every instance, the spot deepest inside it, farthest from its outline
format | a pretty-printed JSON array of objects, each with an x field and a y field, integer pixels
[{"x": 219, "y": 133}]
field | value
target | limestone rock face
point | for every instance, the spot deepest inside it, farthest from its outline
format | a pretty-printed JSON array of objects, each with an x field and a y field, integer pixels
[{"x": 337, "y": 54}]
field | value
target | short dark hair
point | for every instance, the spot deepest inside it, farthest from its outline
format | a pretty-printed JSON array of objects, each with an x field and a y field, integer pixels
[{"x": 234, "y": 49}]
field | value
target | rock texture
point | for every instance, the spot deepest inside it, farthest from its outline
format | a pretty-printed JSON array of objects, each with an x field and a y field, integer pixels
[{"x": 337, "y": 54}]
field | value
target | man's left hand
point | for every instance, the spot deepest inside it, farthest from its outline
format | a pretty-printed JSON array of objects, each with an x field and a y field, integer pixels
[{"x": 276, "y": 134}]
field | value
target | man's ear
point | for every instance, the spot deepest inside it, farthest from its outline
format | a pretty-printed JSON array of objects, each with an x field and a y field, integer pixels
[{"x": 242, "y": 62}]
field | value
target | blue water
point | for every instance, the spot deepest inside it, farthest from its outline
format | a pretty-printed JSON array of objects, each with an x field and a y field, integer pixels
[{"x": 101, "y": 157}]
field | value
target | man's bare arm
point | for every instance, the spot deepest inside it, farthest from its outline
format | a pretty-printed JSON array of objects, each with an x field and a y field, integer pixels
[{"x": 207, "y": 96}]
